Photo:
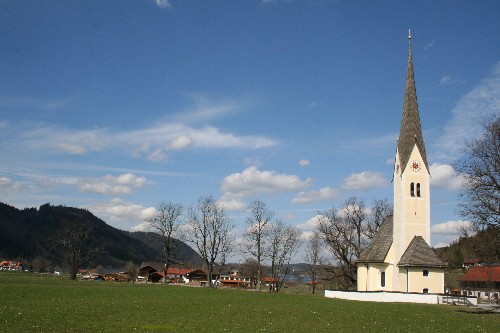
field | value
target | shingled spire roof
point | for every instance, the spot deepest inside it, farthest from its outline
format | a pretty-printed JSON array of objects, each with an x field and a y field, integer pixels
[
  {"x": 411, "y": 131},
  {"x": 419, "y": 254}
]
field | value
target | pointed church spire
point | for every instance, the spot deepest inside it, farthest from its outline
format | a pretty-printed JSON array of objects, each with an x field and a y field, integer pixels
[{"x": 411, "y": 131}]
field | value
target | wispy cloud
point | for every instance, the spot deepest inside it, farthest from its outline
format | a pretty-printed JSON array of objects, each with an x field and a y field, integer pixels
[
  {"x": 153, "y": 143},
  {"x": 7, "y": 185},
  {"x": 304, "y": 162},
  {"x": 446, "y": 80},
  {"x": 163, "y": 3},
  {"x": 468, "y": 114}
]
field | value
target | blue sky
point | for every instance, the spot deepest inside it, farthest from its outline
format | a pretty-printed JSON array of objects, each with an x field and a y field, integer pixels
[{"x": 115, "y": 106}]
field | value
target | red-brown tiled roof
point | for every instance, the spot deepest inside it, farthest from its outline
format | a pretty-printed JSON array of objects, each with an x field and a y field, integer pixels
[
  {"x": 472, "y": 261},
  {"x": 482, "y": 274},
  {"x": 268, "y": 279}
]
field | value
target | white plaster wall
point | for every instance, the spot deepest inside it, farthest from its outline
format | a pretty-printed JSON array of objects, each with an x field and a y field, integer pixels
[{"x": 383, "y": 297}]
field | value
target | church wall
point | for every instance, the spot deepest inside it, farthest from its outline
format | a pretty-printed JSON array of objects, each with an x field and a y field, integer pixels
[
  {"x": 362, "y": 277},
  {"x": 434, "y": 282}
]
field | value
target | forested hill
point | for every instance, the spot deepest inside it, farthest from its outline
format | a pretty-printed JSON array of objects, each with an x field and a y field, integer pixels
[{"x": 29, "y": 233}]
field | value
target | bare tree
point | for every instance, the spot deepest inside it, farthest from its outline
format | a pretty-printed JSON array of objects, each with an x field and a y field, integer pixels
[
  {"x": 379, "y": 211},
  {"x": 347, "y": 232},
  {"x": 79, "y": 244},
  {"x": 166, "y": 222},
  {"x": 209, "y": 229},
  {"x": 343, "y": 234},
  {"x": 257, "y": 230},
  {"x": 480, "y": 166},
  {"x": 314, "y": 258},
  {"x": 284, "y": 240}
]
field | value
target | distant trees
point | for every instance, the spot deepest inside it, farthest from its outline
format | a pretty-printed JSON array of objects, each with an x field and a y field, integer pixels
[
  {"x": 209, "y": 230},
  {"x": 284, "y": 240},
  {"x": 257, "y": 229},
  {"x": 79, "y": 244},
  {"x": 314, "y": 257},
  {"x": 346, "y": 233},
  {"x": 166, "y": 222}
]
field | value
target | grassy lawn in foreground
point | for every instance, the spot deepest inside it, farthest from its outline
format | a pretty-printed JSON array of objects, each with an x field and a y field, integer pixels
[{"x": 42, "y": 303}]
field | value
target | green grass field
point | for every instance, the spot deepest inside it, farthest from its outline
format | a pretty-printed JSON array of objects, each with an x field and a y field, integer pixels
[{"x": 42, "y": 303}]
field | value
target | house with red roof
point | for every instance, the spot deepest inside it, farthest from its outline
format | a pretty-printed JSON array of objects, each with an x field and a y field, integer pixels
[{"x": 481, "y": 281}]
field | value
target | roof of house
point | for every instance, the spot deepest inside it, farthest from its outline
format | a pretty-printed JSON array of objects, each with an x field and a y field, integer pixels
[
  {"x": 472, "y": 261},
  {"x": 482, "y": 274},
  {"x": 156, "y": 266},
  {"x": 381, "y": 243},
  {"x": 268, "y": 279},
  {"x": 420, "y": 254},
  {"x": 411, "y": 131}
]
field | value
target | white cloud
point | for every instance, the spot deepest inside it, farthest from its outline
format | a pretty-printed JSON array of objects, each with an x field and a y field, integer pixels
[
  {"x": 324, "y": 194},
  {"x": 303, "y": 162},
  {"x": 163, "y": 3},
  {"x": 109, "y": 185},
  {"x": 233, "y": 205},
  {"x": 468, "y": 114},
  {"x": 310, "y": 224},
  {"x": 181, "y": 142},
  {"x": 450, "y": 227},
  {"x": 365, "y": 180},
  {"x": 444, "y": 176},
  {"x": 252, "y": 181},
  {"x": 122, "y": 214}
]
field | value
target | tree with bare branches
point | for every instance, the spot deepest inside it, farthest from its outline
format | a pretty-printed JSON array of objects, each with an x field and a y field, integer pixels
[
  {"x": 314, "y": 257},
  {"x": 257, "y": 230},
  {"x": 166, "y": 222},
  {"x": 79, "y": 244},
  {"x": 347, "y": 232},
  {"x": 284, "y": 240},
  {"x": 209, "y": 229},
  {"x": 480, "y": 166}
]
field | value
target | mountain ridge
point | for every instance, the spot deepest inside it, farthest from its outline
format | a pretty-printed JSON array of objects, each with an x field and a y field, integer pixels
[{"x": 28, "y": 233}]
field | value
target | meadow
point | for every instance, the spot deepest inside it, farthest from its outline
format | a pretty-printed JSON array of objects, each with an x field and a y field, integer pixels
[{"x": 45, "y": 303}]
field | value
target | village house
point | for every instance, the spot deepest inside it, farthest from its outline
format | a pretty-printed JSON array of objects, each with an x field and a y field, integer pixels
[
  {"x": 234, "y": 279},
  {"x": 482, "y": 282},
  {"x": 7, "y": 265},
  {"x": 399, "y": 258},
  {"x": 154, "y": 272}
]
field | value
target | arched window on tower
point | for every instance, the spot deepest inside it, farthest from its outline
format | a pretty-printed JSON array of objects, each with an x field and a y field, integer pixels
[
  {"x": 418, "y": 190},
  {"x": 412, "y": 189}
]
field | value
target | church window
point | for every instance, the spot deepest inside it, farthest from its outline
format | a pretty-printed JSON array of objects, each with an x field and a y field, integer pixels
[
  {"x": 382, "y": 279},
  {"x": 425, "y": 291},
  {"x": 412, "y": 189},
  {"x": 418, "y": 190},
  {"x": 426, "y": 272}
]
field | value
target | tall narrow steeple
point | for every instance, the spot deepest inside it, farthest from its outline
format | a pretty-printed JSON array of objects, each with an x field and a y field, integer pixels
[{"x": 411, "y": 131}]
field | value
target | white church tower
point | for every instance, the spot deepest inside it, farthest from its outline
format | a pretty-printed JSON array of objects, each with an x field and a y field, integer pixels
[{"x": 399, "y": 257}]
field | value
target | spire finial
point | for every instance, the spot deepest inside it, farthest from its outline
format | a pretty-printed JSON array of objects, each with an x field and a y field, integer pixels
[{"x": 409, "y": 36}]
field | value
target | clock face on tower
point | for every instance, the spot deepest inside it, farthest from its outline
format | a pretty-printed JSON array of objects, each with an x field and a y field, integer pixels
[{"x": 415, "y": 166}]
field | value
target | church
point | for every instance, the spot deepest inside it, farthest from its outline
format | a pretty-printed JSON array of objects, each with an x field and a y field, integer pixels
[{"x": 399, "y": 258}]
